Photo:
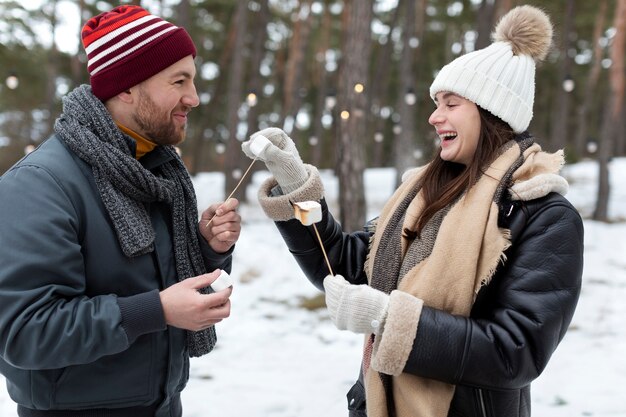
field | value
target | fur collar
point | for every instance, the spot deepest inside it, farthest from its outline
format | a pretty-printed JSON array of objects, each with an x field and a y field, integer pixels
[{"x": 539, "y": 186}]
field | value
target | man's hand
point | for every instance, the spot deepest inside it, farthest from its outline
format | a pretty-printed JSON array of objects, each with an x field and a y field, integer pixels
[
  {"x": 223, "y": 230},
  {"x": 186, "y": 308}
]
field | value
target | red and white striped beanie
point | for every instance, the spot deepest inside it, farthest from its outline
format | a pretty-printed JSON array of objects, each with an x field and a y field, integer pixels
[{"x": 128, "y": 45}]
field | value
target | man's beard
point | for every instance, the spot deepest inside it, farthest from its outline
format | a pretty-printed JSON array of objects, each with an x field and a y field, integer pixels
[{"x": 158, "y": 127}]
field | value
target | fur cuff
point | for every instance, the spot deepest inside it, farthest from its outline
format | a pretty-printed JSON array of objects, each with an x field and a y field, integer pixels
[
  {"x": 393, "y": 346},
  {"x": 280, "y": 208},
  {"x": 539, "y": 186}
]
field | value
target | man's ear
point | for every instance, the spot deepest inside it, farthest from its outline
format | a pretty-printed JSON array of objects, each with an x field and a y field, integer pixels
[{"x": 126, "y": 96}]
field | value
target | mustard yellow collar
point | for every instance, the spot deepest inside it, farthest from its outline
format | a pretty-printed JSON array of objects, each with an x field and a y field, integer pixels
[{"x": 143, "y": 145}]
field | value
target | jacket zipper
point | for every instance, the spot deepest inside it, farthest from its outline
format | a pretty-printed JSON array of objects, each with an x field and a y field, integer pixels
[{"x": 481, "y": 400}]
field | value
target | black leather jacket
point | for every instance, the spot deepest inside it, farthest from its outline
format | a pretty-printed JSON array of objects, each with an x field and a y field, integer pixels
[{"x": 516, "y": 322}]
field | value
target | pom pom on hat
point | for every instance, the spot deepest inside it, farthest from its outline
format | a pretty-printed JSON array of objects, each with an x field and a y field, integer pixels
[
  {"x": 528, "y": 30},
  {"x": 128, "y": 45},
  {"x": 501, "y": 77}
]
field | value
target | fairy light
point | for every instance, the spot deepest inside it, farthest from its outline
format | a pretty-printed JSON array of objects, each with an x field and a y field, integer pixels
[
  {"x": 12, "y": 82},
  {"x": 330, "y": 100},
  {"x": 252, "y": 99},
  {"x": 410, "y": 98}
]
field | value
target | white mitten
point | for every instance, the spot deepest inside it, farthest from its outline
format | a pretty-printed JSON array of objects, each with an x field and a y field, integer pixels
[
  {"x": 358, "y": 308},
  {"x": 280, "y": 156}
]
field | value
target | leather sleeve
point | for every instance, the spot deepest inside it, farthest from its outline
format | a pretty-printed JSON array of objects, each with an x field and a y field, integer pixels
[
  {"x": 517, "y": 320},
  {"x": 346, "y": 252}
]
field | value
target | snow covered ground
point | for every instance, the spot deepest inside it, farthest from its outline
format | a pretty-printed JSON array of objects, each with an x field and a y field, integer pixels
[{"x": 276, "y": 358}]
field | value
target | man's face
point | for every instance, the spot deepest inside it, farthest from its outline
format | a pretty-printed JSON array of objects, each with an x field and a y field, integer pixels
[{"x": 163, "y": 101}]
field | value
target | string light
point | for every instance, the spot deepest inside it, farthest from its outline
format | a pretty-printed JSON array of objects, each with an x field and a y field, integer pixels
[
  {"x": 331, "y": 99},
  {"x": 358, "y": 88},
  {"x": 12, "y": 81},
  {"x": 592, "y": 146},
  {"x": 252, "y": 99},
  {"x": 568, "y": 84},
  {"x": 410, "y": 98},
  {"x": 345, "y": 114}
]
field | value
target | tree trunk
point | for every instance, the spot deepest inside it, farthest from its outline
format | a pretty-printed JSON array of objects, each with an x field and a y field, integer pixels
[
  {"x": 404, "y": 140},
  {"x": 613, "y": 113},
  {"x": 233, "y": 165},
  {"x": 183, "y": 18},
  {"x": 255, "y": 84},
  {"x": 321, "y": 78},
  {"x": 52, "y": 71},
  {"x": 619, "y": 137},
  {"x": 484, "y": 23},
  {"x": 592, "y": 80},
  {"x": 295, "y": 66},
  {"x": 379, "y": 91},
  {"x": 503, "y": 7},
  {"x": 198, "y": 152},
  {"x": 353, "y": 106},
  {"x": 559, "y": 131},
  {"x": 76, "y": 66}
]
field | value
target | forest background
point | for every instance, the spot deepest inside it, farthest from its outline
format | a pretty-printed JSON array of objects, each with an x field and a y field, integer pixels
[{"x": 347, "y": 80}]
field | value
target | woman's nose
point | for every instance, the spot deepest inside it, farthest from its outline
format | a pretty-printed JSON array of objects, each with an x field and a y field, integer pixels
[{"x": 435, "y": 117}]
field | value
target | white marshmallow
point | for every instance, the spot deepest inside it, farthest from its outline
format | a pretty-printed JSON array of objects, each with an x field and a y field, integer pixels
[
  {"x": 222, "y": 282},
  {"x": 258, "y": 144},
  {"x": 308, "y": 212}
]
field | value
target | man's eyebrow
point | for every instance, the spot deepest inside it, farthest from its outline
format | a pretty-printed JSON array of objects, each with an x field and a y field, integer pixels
[{"x": 185, "y": 74}]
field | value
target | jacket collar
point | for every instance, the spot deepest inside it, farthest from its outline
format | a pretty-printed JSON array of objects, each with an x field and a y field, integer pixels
[{"x": 155, "y": 158}]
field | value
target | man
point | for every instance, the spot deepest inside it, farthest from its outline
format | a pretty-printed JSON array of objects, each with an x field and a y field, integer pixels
[{"x": 103, "y": 284}]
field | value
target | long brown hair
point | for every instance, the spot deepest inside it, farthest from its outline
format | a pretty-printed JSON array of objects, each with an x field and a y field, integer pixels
[{"x": 445, "y": 181}]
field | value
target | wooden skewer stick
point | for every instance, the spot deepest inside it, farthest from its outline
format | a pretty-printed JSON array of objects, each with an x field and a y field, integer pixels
[
  {"x": 309, "y": 213},
  {"x": 323, "y": 251},
  {"x": 235, "y": 189}
]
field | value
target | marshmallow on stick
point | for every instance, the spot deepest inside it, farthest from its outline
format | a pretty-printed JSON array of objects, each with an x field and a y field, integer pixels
[
  {"x": 308, "y": 212},
  {"x": 222, "y": 282},
  {"x": 258, "y": 144}
]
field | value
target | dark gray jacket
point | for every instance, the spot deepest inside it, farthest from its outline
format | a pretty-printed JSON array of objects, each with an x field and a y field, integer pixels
[
  {"x": 516, "y": 322},
  {"x": 81, "y": 325}
]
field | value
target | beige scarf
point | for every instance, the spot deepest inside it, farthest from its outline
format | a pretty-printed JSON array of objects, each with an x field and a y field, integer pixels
[{"x": 466, "y": 252}]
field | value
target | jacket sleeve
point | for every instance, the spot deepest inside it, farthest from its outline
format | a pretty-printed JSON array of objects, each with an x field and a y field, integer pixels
[
  {"x": 346, "y": 252},
  {"x": 519, "y": 318},
  {"x": 212, "y": 259},
  {"x": 46, "y": 320}
]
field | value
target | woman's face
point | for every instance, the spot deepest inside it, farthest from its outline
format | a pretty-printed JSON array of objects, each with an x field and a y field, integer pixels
[{"x": 457, "y": 122}]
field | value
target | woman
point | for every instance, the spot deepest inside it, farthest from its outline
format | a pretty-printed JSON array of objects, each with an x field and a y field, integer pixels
[{"x": 469, "y": 278}]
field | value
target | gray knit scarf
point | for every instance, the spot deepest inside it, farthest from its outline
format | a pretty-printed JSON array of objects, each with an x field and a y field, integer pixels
[{"x": 126, "y": 187}]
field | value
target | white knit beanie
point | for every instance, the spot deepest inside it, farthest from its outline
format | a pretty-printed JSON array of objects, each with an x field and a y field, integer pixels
[{"x": 501, "y": 77}]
